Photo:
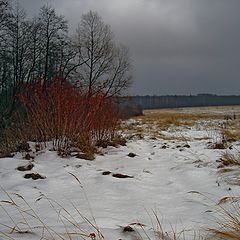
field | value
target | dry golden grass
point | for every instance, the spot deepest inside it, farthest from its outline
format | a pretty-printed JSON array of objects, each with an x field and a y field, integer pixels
[
  {"x": 152, "y": 122},
  {"x": 164, "y": 119},
  {"x": 232, "y": 133},
  {"x": 185, "y": 116}
]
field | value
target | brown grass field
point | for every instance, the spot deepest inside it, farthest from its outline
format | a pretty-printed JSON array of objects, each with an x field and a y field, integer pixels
[{"x": 154, "y": 121}]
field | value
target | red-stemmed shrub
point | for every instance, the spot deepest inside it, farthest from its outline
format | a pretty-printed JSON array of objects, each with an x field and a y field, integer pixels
[
  {"x": 67, "y": 116},
  {"x": 106, "y": 120}
]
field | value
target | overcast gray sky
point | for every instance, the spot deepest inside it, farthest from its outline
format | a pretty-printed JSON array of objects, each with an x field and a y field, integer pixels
[{"x": 177, "y": 46}]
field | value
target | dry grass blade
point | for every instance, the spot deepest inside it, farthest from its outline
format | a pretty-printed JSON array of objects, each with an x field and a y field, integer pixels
[
  {"x": 173, "y": 234},
  {"x": 94, "y": 224},
  {"x": 6, "y": 201},
  {"x": 76, "y": 179},
  {"x": 89, "y": 223},
  {"x": 28, "y": 215},
  {"x": 68, "y": 218},
  {"x": 228, "y": 199},
  {"x": 228, "y": 223}
]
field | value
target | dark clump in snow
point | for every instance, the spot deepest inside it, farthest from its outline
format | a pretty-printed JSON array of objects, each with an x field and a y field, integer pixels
[
  {"x": 27, "y": 167},
  {"x": 119, "y": 175},
  {"x": 34, "y": 176},
  {"x": 106, "y": 173},
  {"x": 128, "y": 229},
  {"x": 132, "y": 155},
  {"x": 78, "y": 166}
]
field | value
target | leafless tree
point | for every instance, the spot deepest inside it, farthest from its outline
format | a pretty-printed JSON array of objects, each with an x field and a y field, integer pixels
[
  {"x": 53, "y": 29},
  {"x": 106, "y": 66},
  {"x": 18, "y": 43},
  {"x": 4, "y": 19},
  {"x": 4, "y": 12}
]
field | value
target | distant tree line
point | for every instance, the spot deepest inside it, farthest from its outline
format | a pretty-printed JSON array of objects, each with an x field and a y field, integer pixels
[
  {"x": 40, "y": 48},
  {"x": 174, "y": 101}
]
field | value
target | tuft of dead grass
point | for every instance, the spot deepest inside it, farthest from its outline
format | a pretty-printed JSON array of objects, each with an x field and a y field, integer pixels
[
  {"x": 229, "y": 222},
  {"x": 232, "y": 134},
  {"x": 228, "y": 159},
  {"x": 160, "y": 233}
]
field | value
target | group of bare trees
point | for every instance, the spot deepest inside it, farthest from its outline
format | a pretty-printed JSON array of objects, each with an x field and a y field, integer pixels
[{"x": 41, "y": 48}]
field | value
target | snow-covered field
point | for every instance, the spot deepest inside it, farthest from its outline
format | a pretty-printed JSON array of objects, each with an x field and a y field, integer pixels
[{"x": 178, "y": 179}]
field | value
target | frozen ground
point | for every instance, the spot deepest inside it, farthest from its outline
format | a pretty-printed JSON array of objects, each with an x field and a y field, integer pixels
[{"x": 177, "y": 179}]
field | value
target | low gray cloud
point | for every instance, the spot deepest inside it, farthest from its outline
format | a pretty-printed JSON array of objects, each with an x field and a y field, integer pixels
[{"x": 177, "y": 46}]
